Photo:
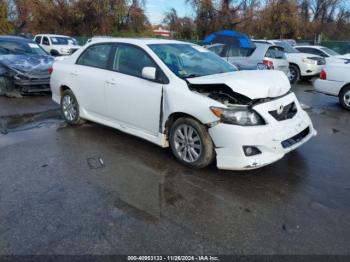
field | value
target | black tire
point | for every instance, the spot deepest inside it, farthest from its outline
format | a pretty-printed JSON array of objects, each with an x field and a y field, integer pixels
[
  {"x": 54, "y": 52},
  {"x": 294, "y": 74},
  {"x": 343, "y": 96},
  {"x": 207, "y": 153},
  {"x": 76, "y": 120}
]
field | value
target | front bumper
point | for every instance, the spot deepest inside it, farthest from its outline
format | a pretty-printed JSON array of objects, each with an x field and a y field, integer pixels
[
  {"x": 270, "y": 139},
  {"x": 310, "y": 70}
]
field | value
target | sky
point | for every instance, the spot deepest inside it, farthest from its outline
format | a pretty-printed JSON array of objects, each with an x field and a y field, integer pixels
[{"x": 155, "y": 9}]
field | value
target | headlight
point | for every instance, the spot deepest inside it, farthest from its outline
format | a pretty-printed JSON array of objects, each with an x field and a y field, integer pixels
[
  {"x": 64, "y": 50},
  {"x": 309, "y": 61},
  {"x": 242, "y": 116}
]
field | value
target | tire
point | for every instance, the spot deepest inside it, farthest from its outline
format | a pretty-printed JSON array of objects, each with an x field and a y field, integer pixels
[
  {"x": 54, "y": 52},
  {"x": 70, "y": 108},
  {"x": 190, "y": 143},
  {"x": 344, "y": 97},
  {"x": 294, "y": 74}
]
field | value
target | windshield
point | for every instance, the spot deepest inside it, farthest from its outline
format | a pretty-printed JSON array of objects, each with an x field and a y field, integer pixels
[
  {"x": 15, "y": 47},
  {"x": 63, "y": 41},
  {"x": 287, "y": 47},
  {"x": 329, "y": 51},
  {"x": 188, "y": 61}
]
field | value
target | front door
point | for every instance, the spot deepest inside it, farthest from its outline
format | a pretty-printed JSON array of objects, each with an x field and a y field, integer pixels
[{"x": 131, "y": 99}]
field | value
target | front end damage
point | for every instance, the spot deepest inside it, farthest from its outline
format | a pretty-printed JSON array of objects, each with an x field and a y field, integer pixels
[
  {"x": 285, "y": 126},
  {"x": 24, "y": 73}
]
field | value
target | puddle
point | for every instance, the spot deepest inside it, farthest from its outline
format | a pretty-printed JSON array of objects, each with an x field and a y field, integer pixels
[{"x": 27, "y": 121}]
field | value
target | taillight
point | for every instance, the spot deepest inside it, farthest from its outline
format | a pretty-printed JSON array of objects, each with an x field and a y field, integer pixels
[
  {"x": 50, "y": 70},
  {"x": 269, "y": 64},
  {"x": 323, "y": 75}
]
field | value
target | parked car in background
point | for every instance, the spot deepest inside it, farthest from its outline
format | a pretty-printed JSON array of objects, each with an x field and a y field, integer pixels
[
  {"x": 57, "y": 45},
  {"x": 181, "y": 95},
  {"x": 335, "y": 81},
  {"x": 330, "y": 55},
  {"x": 250, "y": 59},
  {"x": 301, "y": 65},
  {"x": 24, "y": 65}
]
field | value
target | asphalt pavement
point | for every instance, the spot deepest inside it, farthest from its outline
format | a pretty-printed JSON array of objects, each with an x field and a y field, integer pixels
[{"x": 94, "y": 190}]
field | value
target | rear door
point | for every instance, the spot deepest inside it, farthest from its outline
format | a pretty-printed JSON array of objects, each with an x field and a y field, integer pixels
[
  {"x": 132, "y": 100},
  {"x": 88, "y": 78}
]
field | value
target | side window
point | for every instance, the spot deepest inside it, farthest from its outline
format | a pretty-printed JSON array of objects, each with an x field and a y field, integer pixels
[
  {"x": 46, "y": 41},
  {"x": 38, "y": 39},
  {"x": 131, "y": 60},
  {"x": 275, "y": 52},
  {"x": 96, "y": 56},
  {"x": 218, "y": 49},
  {"x": 235, "y": 51}
]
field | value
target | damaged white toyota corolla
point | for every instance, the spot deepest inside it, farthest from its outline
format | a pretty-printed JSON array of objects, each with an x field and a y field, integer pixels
[{"x": 180, "y": 95}]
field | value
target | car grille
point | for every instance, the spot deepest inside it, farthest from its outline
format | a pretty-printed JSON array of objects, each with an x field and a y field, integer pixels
[
  {"x": 296, "y": 139},
  {"x": 288, "y": 112}
]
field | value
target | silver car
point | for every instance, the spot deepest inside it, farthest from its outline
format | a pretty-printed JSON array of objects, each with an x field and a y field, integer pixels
[{"x": 272, "y": 56}]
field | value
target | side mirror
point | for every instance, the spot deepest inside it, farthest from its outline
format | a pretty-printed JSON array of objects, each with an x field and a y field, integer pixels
[
  {"x": 261, "y": 66},
  {"x": 149, "y": 73}
]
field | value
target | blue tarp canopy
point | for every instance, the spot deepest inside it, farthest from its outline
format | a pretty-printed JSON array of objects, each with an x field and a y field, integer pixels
[{"x": 230, "y": 37}]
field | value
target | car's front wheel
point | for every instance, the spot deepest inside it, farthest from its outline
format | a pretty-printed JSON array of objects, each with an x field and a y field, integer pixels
[
  {"x": 191, "y": 143},
  {"x": 70, "y": 108},
  {"x": 344, "y": 97},
  {"x": 294, "y": 74}
]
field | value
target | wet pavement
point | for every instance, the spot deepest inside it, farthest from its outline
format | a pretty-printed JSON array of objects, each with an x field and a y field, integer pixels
[{"x": 94, "y": 190}]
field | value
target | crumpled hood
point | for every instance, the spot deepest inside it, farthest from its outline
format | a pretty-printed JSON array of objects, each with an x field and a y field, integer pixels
[
  {"x": 252, "y": 84},
  {"x": 27, "y": 64}
]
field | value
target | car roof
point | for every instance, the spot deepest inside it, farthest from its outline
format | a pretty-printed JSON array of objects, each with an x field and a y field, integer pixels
[
  {"x": 310, "y": 46},
  {"x": 53, "y": 35},
  {"x": 138, "y": 41},
  {"x": 16, "y": 38}
]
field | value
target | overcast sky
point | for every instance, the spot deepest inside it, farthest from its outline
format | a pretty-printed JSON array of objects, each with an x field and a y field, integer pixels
[{"x": 155, "y": 9}]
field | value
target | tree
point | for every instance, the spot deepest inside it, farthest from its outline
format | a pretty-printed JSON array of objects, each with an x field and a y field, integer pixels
[{"x": 5, "y": 25}]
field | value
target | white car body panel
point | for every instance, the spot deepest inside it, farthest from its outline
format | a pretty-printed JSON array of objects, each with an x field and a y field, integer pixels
[
  {"x": 264, "y": 84},
  {"x": 141, "y": 107},
  {"x": 306, "y": 69},
  {"x": 338, "y": 75}
]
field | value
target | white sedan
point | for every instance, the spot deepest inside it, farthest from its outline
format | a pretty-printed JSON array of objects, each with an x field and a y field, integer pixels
[
  {"x": 335, "y": 81},
  {"x": 181, "y": 95}
]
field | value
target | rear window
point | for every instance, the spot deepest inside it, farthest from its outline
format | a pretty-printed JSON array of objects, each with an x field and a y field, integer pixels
[{"x": 275, "y": 52}]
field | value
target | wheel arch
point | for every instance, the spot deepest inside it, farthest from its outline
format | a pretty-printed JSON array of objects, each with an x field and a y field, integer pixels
[
  {"x": 344, "y": 86},
  {"x": 296, "y": 65},
  {"x": 175, "y": 116}
]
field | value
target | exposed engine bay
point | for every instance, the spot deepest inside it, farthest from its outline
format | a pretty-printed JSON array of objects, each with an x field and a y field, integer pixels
[{"x": 221, "y": 93}]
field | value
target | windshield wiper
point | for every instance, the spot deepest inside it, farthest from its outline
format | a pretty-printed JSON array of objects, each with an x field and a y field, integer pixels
[{"x": 192, "y": 76}]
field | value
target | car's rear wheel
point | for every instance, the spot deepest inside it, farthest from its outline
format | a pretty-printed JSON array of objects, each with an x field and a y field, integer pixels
[
  {"x": 70, "y": 108},
  {"x": 191, "y": 143},
  {"x": 344, "y": 97},
  {"x": 294, "y": 74}
]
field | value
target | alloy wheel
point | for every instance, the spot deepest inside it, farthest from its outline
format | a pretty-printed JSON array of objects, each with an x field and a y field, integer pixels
[
  {"x": 346, "y": 98},
  {"x": 187, "y": 142},
  {"x": 69, "y": 108}
]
